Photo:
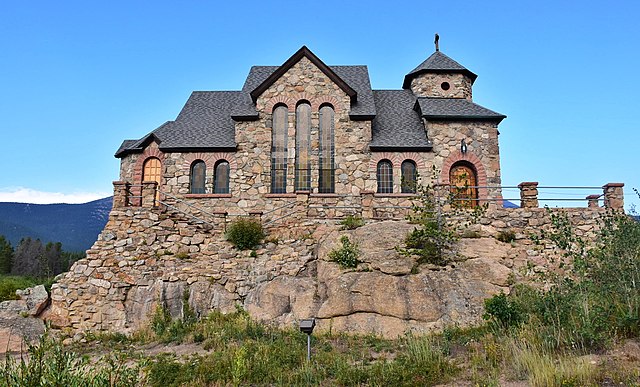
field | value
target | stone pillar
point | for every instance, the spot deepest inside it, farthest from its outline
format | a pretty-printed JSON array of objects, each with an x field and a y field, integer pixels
[
  {"x": 149, "y": 194},
  {"x": 120, "y": 194},
  {"x": 613, "y": 196},
  {"x": 528, "y": 194},
  {"x": 593, "y": 201},
  {"x": 367, "y": 204}
]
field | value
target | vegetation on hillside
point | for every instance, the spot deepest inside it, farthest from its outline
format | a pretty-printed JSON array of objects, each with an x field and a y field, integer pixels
[{"x": 30, "y": 264}]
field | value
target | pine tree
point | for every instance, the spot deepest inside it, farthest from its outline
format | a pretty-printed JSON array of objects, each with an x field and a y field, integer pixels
[
  {"x": 28, "y": 258},
  {"x": 6, "y": 255}
]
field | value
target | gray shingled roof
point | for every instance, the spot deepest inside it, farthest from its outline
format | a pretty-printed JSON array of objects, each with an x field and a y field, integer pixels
[
  {"x": 126, "y": 145},
  {"x": 257, "y": 75},
  {"x": 437, "y": 63},
  {"x": 207, "y": 119},
  {"x": 454, "y": 108},
  {"x": 358, "y": 78},
  {"x": 397, "y": 125},
  {"x": 204, "y": 122}
]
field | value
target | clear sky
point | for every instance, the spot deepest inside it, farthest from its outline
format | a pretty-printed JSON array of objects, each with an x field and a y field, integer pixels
[{"x": 78, "y": 77}]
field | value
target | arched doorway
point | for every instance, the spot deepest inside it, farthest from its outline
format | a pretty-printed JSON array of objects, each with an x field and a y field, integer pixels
[
  {"x": 152, "y": 171},
  {"x": 464, "y": 181}
]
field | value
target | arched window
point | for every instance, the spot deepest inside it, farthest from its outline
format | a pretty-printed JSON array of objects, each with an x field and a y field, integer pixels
[
  {"x": 303, "y": 146},
  {"x": 385, "y": 176},
  {"x": 463, "y": 180},
  {"x": 221, "y": 177},
  {"x": 198, "y": 177},
  {"x": 152, "y": 171},
  {"x": 279, "y": 150},
  {"x": 327, "y": 174},
  {"x": 409, "y": 176}
]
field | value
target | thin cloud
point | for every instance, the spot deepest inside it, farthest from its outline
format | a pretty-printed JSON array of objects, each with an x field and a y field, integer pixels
[{"x": 28, "y": 195}]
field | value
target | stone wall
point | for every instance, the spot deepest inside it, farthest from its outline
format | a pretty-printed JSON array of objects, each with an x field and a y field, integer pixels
[{"x": 149, "y": 257}]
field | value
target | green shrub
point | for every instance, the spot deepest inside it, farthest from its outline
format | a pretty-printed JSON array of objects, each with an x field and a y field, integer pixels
[
  {"x": 503, "y": 311},
  {"x": 245, "y": 233},
  {"x": 347, "y": 255},
  {"x": 351, "y": 222},
  {"x": 506, "y": 236}
]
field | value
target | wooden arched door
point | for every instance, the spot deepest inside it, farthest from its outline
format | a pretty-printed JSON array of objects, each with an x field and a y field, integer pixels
[
  {"x": 152, "y": 171},
  {"x": 464, "y": 183}
]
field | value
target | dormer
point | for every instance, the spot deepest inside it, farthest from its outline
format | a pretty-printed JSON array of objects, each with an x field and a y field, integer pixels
[{"x": 440, "y": 77}]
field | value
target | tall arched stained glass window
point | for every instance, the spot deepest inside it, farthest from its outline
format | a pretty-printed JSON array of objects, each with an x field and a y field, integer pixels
[
  {"x": 198, "y": 172},
  {"x": 303, "y": 146},
  {"x": 279, "y": 150},
  {"x": 385, "y": 176},
  {"x": 409, "y": 176},
  {"x": 221, "y": 177},
  {"x": 327, "y": 174}
]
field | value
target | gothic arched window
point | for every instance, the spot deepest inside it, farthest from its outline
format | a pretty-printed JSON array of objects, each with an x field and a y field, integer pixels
[
  {"x": 303, "y": 147},
  {"x": 221, "y": 177},
  {"x": 326, "y": 173},
  {"x": 279, "y": 150},
  {"x": 197, "y": 177},
  {"x": 409, "y": 176},
  {"x": 385, "y": 176}
]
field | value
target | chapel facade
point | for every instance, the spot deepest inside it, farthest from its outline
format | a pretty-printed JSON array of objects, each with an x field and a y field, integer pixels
[{"x": 307, "y": 131}]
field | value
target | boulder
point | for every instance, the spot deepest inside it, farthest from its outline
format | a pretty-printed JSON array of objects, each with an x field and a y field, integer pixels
[
  {"x": 35, "y": 298},
  {"x": 17, "y": 324}
]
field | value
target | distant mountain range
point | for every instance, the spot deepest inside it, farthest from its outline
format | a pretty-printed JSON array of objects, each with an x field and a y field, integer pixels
[{"x": 76, "y": 226}]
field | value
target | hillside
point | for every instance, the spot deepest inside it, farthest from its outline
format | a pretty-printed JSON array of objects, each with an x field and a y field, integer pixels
[{"x": 75, "y": 225}]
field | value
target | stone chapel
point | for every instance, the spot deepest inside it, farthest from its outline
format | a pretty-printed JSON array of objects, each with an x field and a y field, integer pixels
[{"x": 320, "y": 132}]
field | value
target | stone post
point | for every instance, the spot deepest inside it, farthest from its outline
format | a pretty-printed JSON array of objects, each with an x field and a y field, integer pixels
[
  {"x": 120, "y": 194},
  {"x": 367, "y": 204},
  {"x": 593, "y": 201},
  {"x": 613, "y": 196},
  {"x": 149, "y": 194},
  {"x": 528, "y": 194}
]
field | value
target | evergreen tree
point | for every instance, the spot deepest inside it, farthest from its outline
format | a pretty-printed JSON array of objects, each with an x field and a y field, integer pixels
[
  {"x": 28, "y": 258},
  {"x": 6, "y": 255}
]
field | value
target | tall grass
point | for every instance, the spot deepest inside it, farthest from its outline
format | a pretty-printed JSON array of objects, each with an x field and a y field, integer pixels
[{"x": 48, "y": 363}]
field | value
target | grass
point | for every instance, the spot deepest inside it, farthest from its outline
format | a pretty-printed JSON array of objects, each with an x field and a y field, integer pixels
[
  {"x": 237, "y": 350},
  {"x": 9, "y": 284}
]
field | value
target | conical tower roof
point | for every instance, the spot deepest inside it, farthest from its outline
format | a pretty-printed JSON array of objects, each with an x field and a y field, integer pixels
[{"x": 437, "y": 63}]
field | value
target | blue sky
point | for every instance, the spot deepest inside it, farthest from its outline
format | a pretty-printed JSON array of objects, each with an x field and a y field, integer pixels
[{"x": 79, "y": 77}]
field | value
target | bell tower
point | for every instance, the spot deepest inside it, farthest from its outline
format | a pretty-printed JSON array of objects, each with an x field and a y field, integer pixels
[{"x": 440, "y": 77}]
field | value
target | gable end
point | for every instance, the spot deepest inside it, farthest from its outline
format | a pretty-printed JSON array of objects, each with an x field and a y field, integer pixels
[{"x": 303, "y": 52}]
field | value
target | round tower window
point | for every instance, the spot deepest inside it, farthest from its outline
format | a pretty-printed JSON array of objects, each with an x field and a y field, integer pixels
[{"x": 445, "y": 85}]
